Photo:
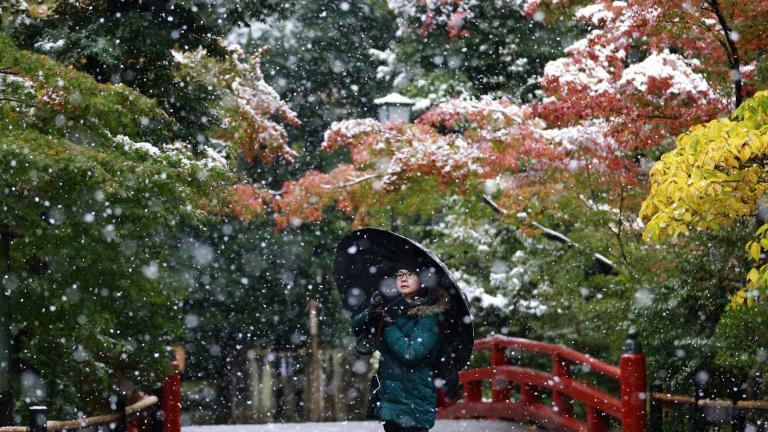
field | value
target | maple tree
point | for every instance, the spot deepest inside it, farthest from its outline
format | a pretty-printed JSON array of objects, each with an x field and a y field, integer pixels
[
  {"x": 425, "y": 16},
  {"x": 723, "y": 38},
  {"x": 629, "y": 86}
]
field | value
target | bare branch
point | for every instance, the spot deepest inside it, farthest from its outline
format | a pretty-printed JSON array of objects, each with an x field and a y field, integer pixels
[
  {"x": 354, "y": 182},
  {"x": 552, "y": 234},
  {"x": 17, "y": 101},
  {"x": 495, "y": 207},
  {"x": 734, "y": 61},
  {"x": 8, "y": 70}
]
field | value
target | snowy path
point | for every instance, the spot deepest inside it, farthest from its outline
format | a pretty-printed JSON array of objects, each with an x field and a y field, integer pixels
[{"x": 365, "y": 426}]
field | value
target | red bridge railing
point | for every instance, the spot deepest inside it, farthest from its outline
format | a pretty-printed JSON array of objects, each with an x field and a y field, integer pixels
[{"x": 628, "y": 406}]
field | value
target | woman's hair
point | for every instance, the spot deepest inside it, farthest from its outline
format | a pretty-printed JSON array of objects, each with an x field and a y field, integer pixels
[
  {"x": 430, "y": 277},
  {"x": 410, "y": 262}
]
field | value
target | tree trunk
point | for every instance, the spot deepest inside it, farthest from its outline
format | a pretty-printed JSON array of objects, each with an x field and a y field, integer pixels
[
  {"x": 734, "y": 60},
  {"x": 224, "y": 397},
  {"x": 313, "y": 395}
]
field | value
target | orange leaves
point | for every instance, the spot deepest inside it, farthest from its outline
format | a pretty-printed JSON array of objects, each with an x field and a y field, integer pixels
[
  {"x": 299, "y": 201},
  {"x": 304, "y": 200},
  {"x": 621, "y": 77},
  {"x": 400, "y": 152},
  {"x": 480, "y": 139},
  {"x": 263, "y": 139},
  {"x": 486, "y": 113},
  {"x": 361, "y": 137},
  {"x": 447, "y": 159},
  {"x": 247, "y": 201},
  {"x": 617, "y": 93}
]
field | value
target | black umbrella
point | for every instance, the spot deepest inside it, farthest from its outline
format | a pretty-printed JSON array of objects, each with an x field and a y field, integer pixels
[{"x": 366, "y": 261}]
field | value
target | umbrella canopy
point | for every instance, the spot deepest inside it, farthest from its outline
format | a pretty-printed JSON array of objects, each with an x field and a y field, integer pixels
[{"x": 366, "y": 261}]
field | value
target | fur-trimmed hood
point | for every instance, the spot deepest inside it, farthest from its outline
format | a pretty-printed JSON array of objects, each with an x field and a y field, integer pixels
[{"x": 434, "y": 304}]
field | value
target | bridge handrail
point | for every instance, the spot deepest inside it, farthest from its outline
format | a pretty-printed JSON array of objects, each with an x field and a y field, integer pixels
[
  {"x": 56, "y": 425},
  {"x": 564, "y": 352},
  {"x": 629, "y": 407},
  {"x": 570, "y": 387}
]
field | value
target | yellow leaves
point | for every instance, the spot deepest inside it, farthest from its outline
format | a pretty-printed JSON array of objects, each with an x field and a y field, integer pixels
[
  {"x": 745, "y": 153},
  {"x": 680, "y": 229},
  {"x": 711, "y": 178},
  {"x": 714, "y": 176},
  {"x": 753, "y": 275},
  {"x": 741, "y": 299},
  {"x": 754, "y": 250},
  {"x": 754, "y": 111},
  {"x": 757, "y": 278}
]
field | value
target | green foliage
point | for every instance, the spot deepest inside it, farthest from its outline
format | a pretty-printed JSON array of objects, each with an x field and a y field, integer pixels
[
  {"x": 740, "y": 340},
  {"x": 56, "y": 100},
  {"x": 503, "y": 53},
  {"x": 95, "y": 305},
  {"x": 131, "y": 42},
  {"x": 318, "y": 60},
  {"x": 561, "y": 293}
]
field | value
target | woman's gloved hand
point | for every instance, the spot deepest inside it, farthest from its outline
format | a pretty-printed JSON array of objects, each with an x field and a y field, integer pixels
[{"x": 375, "y": 306}]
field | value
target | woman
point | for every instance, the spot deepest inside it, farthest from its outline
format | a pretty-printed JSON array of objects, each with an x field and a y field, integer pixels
[{"x": 408, "y": 343}]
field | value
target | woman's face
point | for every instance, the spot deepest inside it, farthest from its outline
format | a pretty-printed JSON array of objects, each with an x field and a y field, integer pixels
[{"x": 407, "y": 282}]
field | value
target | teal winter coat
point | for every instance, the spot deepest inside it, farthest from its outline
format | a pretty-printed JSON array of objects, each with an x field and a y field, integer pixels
[{"x": 408, "y": 347}]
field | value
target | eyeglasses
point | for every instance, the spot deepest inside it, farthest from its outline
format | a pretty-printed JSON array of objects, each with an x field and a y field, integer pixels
[{"x": 404, "y": 275}]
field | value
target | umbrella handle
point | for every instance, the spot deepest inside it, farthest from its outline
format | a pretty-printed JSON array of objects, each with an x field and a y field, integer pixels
[{"x": 378, "y": 329}]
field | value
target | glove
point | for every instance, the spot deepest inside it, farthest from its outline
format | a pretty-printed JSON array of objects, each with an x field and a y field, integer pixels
[
  {"x": 375, "y": 306},
  {"x": 394, "y": 309}
]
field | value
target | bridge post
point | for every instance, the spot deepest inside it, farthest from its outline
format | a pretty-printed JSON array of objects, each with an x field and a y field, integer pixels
[
  {"x": 560, "y": 370},
  {"x": 38, "y": 419},
  {"x": 656, "y": 411},
  {"x": 118, "y": 407},
  {"x": 500, "y": 390},
  {"x": 633, "y": 386},
  {"x": 528, "y": 395},
  {"x": 473, "y": 391},
  {"x": 170, "y": 402},
  {"x": 596, "y": 420},
  {"x": 170, "y": 394}
]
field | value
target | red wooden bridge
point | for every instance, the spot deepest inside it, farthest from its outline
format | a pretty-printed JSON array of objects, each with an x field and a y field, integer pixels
[
  {"x": 626, "y": 407},
  {"x": 576, "y": 392}
]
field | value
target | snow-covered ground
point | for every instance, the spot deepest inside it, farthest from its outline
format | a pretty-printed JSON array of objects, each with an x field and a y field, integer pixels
[{"x": 365, "y": 426}]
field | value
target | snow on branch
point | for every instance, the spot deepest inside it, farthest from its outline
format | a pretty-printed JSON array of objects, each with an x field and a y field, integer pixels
[{"x": 250, "y": 122}]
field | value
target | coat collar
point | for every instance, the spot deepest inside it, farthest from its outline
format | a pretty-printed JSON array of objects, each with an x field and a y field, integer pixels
[{"x": 429, "y": 305}]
